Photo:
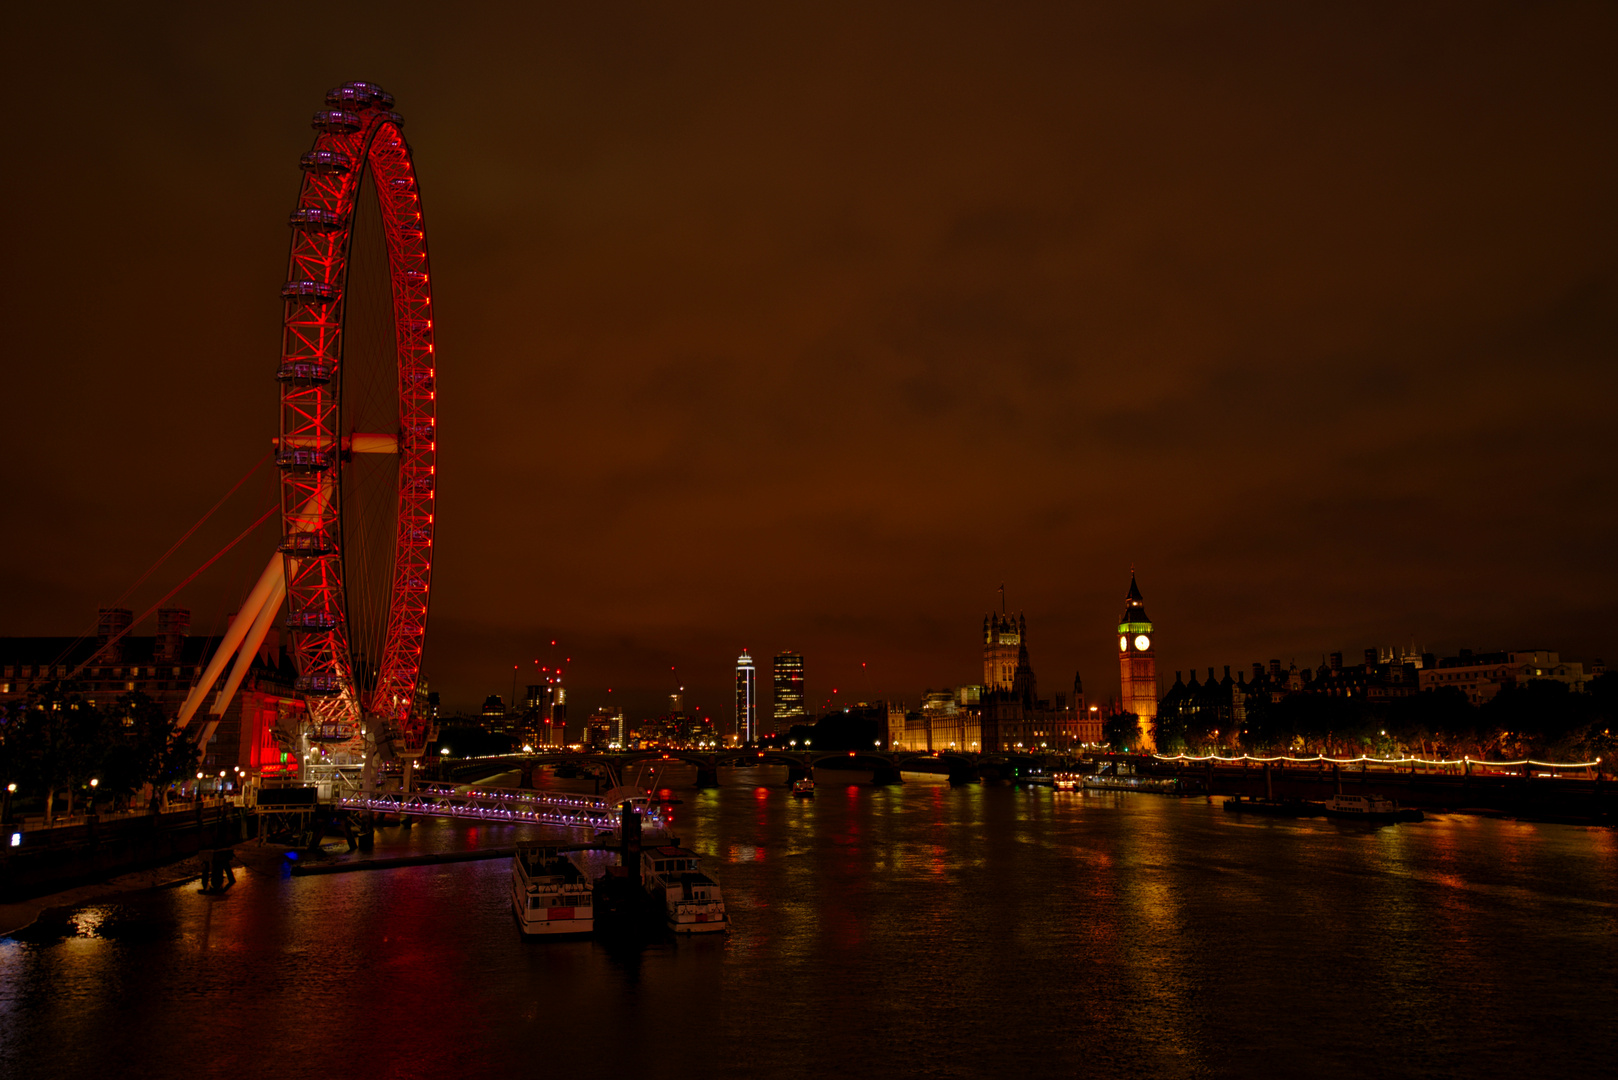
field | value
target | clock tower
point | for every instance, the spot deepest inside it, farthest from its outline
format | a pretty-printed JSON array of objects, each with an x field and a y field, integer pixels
[{"x": 1137, "y": 666}]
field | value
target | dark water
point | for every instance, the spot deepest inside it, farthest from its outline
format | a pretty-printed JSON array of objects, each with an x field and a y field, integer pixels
[{"x": 912, "y": 931}]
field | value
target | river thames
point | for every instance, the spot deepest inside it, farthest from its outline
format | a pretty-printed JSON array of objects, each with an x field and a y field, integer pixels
[{"x": 919, "y": 930}]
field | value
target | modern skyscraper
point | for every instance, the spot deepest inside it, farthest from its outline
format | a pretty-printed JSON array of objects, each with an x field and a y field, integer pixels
[
  {"x": 1137, "y": 666},
  {"x": 746, "y": 698},
  {"x": 787, "y": 672}
]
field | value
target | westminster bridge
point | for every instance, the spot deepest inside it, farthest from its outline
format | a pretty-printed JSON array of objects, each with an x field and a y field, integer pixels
[{"x": 613, "y": 770}]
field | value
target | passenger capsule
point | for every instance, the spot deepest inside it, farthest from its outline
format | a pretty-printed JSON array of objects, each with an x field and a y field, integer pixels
[
  {"x": 311, "y": 622},
  {"x": 314, "y": 219},
  {"x": 310, "y": 292},
  {"x": 303, "y": 461},
  {"x": 306, "y": 371},
  {"x": 308, "y": 545},
  {"x": 320, "y": 685},
  {"x": 326, "y": 163},
  {"x": 336, "y": 122},
  {"x": 359, "y": 95}
]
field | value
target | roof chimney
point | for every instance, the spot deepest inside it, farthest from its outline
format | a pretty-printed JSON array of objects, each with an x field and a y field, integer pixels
[
  {"x": 112, "y": 622},
  {"x": 172, "y": 625}
]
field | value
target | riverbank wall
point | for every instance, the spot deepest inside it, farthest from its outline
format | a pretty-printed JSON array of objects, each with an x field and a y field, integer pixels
[
  {"x": 38, "y": 861},
  {"x": 1532, "y": 798}
]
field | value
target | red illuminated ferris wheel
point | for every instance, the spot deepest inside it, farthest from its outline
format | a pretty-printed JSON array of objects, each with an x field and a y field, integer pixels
[
  {"x": 357, "y": 448},
  {"x": 358, "y": 442}
]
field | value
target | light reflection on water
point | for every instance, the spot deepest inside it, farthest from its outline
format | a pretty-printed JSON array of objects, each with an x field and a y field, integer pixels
[{"x": 919, "y": 930}]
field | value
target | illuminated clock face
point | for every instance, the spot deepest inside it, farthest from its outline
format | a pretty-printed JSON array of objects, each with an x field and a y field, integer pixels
[
  {"x": 1142, "y": 642},
  {"x": 1123, "y": 644}
]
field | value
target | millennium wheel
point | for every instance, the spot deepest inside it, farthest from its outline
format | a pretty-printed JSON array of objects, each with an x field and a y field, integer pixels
[{"x": 358, "y": 442}]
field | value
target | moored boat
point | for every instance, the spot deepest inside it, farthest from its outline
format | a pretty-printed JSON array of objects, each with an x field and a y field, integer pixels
[
  {"x": 691, "y": 899},
  {"x": 1238, "y": 804},
  {"x": 1067, "y": 781},
  {"x": 1370, "y": 808},
  {"x": 549, "y": 894}
]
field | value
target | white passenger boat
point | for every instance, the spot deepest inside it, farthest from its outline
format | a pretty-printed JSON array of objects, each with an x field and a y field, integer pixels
[
  {"x": 1368, "y": 808},
  {"x": 691, "y": 900},
  {"x": 549, "y": 894}
]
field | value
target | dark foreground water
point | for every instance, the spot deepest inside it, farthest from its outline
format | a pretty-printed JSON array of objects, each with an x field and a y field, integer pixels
[{"x": 911, "y": 931}]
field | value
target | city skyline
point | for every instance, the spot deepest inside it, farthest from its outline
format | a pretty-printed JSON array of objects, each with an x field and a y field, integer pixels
[{"x": 1004, "y": 635}]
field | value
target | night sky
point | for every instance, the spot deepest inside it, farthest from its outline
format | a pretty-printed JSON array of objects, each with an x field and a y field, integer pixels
[{"x": 809, "y": 326}]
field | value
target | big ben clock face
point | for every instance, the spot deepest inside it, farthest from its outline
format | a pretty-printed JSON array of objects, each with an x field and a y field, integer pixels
[
  {"x": 1123, "y": 644},
  {"x": 1142, "y": 642}
]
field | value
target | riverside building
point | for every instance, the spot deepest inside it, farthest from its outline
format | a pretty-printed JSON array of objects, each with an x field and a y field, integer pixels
[
  {"x": 1480, "y": 676},
  {"x": 259, "y": 729}
]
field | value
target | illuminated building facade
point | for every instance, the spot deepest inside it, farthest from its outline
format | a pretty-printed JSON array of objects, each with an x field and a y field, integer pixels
[
  {"x": 746, "y": 698},
  {"x": 787, "y": 675},
  {"x": 947, "y": 720},
  {"x": 1480, "y": 676},
  {"x": 604, "y": 730},
  {"x": 1011, "y": 715},
  {"x": 1003, "y": 649},
  {"x": 259, "y": 730},
  {"x": 544, "y": 721},
  {"x": 1137, "y": 666}
]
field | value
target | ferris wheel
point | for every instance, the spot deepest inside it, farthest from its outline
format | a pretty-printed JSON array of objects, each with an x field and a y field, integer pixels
[
  {"x": 358, "y": 647},
  {"x": 357, "y": 446}
]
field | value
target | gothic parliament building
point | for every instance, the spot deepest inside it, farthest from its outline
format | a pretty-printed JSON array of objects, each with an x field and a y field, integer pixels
[{"x": 1005, "y": 712}]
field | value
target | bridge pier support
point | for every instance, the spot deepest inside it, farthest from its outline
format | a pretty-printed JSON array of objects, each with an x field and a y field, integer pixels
[
  {"x": 962, "y": 777},
  {"x": 707, "y": 777},
  {"x": 526, "y": 780},
  {"x": 796, "y": 773}
]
